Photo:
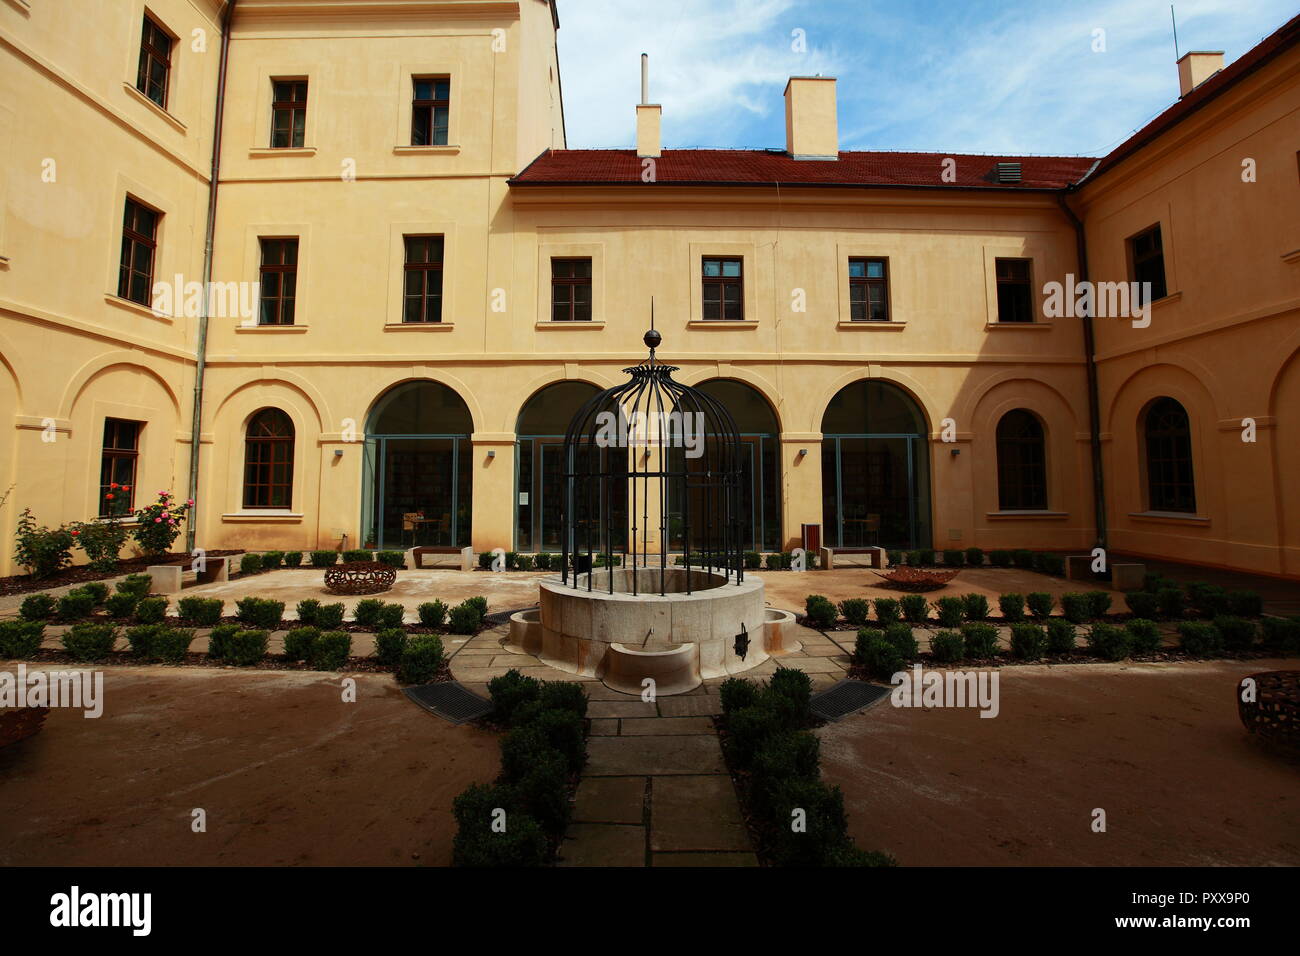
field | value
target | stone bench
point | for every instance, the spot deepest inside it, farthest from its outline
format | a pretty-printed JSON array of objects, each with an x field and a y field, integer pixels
[{"x": 169, "y": 578}]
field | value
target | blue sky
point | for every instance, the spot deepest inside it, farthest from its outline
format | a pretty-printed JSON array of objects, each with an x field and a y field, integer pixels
[{"x": 981, "y": 76}]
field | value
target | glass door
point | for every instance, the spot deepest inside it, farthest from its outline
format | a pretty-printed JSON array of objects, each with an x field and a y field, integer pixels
[{"x": 880, "y": 481}]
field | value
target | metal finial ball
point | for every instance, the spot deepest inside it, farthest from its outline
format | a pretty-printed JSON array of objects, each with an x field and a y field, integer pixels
[{"x": 652, "y": 339}]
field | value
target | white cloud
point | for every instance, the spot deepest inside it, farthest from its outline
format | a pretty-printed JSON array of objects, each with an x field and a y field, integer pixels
[{"x": 712, "y": 66}]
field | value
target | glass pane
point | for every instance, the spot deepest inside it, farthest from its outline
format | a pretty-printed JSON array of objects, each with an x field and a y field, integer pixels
[
  {"x": 712, "y": 267},
  {"x": 875, "y": 270},
  {"x": 857, "y": 268},
  {"x": 413, "y": 309},
  {"x": 442, "y": 89},
  {"x": 731, "y": 267},
  {"x": 424, "y": 89}
]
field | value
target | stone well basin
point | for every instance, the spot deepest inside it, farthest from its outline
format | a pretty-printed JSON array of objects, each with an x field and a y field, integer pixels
[{"x": 677, "y": 639}]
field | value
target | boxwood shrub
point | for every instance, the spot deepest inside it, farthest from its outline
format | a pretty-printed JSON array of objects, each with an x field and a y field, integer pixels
[
  {"x": 464, "y": 618},
  {"x": 511, "y": 691},
  {"x": 171, "y": 644},
  {"x": 366, "y": 612},
  {"x": 793, "y": 687},
  {"x": 887, "y": 610},
  {"x": 564, "y": 695},
  {"x": 975, "y": 607},
  {"x": 1245, "y": 604},
  {"x": 1143, "y": 604},
  {"x": 329, "y": 617},
  {"x": 246, "y": 648},
  {"x": 1109, "y": 642},
  {"x": 250, "y": 563},
  {"x": 1027, "y": 641},
  {"x": 1171, "y": 602},
  {"x": 1200, "y": 639},
  {"x": 1000, "y": 559},
  {"x": 219, "y": 640},
  {"x": 948, "y": 646},
  {"x": 856, "y": 611},
  {"x": 1023, "y": 558},
  {"x": 37, "y": 607},
  {"x": 1076, "y": 607},
  {"x": 97, "y": 590},
  {"x": 293, "y": 559},
  {"x": 1207, "y": 600},
  {"x": 272, "y": 560},
  {"x": 298, "y": 643},
  {"x": 307, "y": 609},
  {"x": 1098, "y": 603},
  {"x": 205, "y": 612},
  {"x": 1144, "y": 635},
  {"x": 421, "y": 658},
  {"x": 20, "y": 640},
  {"x": 819, "y": 610},
  {"x": 140, "y": 639},
  {"x": 1012, "y": 606},
  {"x": 389, "y": 644},
  {"x": 950, "y": 611},
  {"x": 90, "y": 642},
  {"x": 394, "y": 559},
  {"x": 981, "y": 639},
  {"x": 542, "y": 560},
  {"x": 1049, "y": 563},
  {"x": 432, "y": 613},
  {"x": 324, "y": 559},
  {"x": 879, "y": 657},
  {"x": 330, "y": 651},
  {"x": 1281, "y": 634},
  {"x": 137, "y": 584},
  {"x": 1238, "y": 633},
  {"x": 954, "y": 558},
  {"x": 1061, "y": 637},
  {"x": 1040, "y": 604},
  {"x": 151, "y": 610},
  {"x": 121, "y": 605},
  {"x": 736, "y": 693},
  {"x": 915, "y": 608},
  {"x": 975, "y": 557},
  {"x": 259, "y": 613},
  {"x": 76, "y": 605},
  {"x": 391, "y": 615},
  {"x": 479, "y": 843},
  {"x": 358, "y": 554}
]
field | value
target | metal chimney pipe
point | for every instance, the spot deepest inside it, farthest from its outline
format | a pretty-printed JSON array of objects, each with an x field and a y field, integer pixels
[{"x": 645, "y": 79}]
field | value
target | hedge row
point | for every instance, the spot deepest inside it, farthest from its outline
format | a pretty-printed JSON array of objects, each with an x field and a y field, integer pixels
[
  {"x": 801, "y": 819},
  {"x": 1045, "y": 562},
  {"x": 518, "y": 819}
]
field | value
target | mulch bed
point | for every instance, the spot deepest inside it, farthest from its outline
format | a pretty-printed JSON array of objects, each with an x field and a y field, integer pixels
[
  {"x": 25, "y": 583},
  {"x": 354, "y": 665}
]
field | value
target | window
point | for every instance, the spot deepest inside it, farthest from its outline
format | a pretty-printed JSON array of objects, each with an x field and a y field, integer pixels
[
  {"x": 1170, "y": 485},
  {"x": 279, "y": 281},
  {"x": 139, "y": 240},
  {"x": 1015, "y": 302},
  {"x": 268, "y": 460},
  {"x": 430, "y": 109},
  {"x": 423, "y": 280},
  {"x": 723, "y": 288},
  {"x": 869, "y": 290},
  {"x": 288, "y": 113},
  {"x": 571, "y": 290},
  {"x": 1022, "y": 467},
  {"x": 117, "y": 467},
  {"x": 1146, "y": 251},
  {"x": 154, "y": 73}
]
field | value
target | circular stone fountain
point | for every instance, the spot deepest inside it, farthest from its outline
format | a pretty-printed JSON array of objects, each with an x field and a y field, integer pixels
[{"x": 674, "y": 638}]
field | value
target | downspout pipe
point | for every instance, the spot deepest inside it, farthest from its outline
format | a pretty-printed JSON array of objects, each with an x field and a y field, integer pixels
[
  {"x": 1094, "y": 404},
  {"x": 201, "y": 346}
]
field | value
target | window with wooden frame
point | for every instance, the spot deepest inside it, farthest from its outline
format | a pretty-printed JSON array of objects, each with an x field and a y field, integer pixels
[
  {"x": 723, "y": 288},
  {"x": 571, "y": 290},
  {"x": 422, "y": 283},
  {"x": 139, "y": 242},
  {"x": 869, "y": 290},
  {"x": 1171, "y": 485},
  {"x": 117, "y": 467},
  {"x": 268, "y": 460},
  {"x": 288, "y": 113},
  {"x": 1015, "y": 294},
  {"x": 1022, "y": 462},
  {"x": 1147, "y": 256},
  {"x": 278, "y": 281},
  {"x": 430, "y": 110},
  {"x": 153, "y": 76}
]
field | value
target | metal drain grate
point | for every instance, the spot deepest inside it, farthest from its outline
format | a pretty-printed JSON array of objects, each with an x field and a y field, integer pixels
[
  {"x": 497, "y": 618},
  {"x": 846, "y": 697},
  {"x": 450, "y": 701}
]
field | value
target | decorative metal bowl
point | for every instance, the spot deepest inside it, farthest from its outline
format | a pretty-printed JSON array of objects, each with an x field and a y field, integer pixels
[
  {"x": 1274, "y": 713},
  {"x": 360, "y": 577},
  {"x": 914, "y": 579}
]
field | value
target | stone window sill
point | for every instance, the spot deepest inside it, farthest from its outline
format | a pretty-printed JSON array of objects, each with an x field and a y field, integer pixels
[
  {"x": 271, "y": 329},
  {"x": 1026, "y": 515},
  {"x": 162, "y": 113},
  {"x": 258, "y": 152},
  {"x": 136, "y": 307},
  {"x": 891, "y": 326},
  {"x": 734, "y": 325},
  {"x": 419, "y": 326},
  {"x": 426, "y": 150},
  {"x": 271, "y": 514},
  {"x": 990, "y": 326},
  {"x": 1172, "y": 517},
  {"x": 575, "y": 324}
]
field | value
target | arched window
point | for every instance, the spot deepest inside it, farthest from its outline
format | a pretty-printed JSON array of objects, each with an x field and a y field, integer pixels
[
  {"x": 1022, "y": 463},
  {"x": 1170, "y": 485},
  {"x": 268, "y": 460}
]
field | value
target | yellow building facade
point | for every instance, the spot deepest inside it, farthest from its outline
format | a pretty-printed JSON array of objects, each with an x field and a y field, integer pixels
[{"x": 417, "y": 284}]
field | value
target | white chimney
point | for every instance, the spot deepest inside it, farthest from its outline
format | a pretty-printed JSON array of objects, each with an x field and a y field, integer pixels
[
  {"x": 1196, "y": 67},
  {"x": 648, "y": 116},
  {"x": 811, "y": 125}
]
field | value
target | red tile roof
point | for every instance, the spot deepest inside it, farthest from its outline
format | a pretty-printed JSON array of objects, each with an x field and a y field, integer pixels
[
  {"x": 758, "y": 167},
  {"x": 864, "y": 169}
]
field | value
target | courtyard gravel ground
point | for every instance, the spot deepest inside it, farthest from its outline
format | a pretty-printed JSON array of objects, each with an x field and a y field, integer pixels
[{"x": 1158, "y": 747}]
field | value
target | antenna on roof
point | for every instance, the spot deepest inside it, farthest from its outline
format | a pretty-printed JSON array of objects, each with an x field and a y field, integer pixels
[{"x": 1174, "y": 20}]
